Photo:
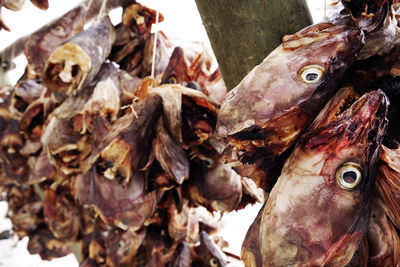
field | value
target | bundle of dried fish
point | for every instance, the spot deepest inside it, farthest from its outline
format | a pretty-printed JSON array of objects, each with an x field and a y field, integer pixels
[{"x": 100, "y": 158}]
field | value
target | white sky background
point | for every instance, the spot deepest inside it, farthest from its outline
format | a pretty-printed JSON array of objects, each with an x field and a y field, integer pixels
[{"x": 182, "y": 24}]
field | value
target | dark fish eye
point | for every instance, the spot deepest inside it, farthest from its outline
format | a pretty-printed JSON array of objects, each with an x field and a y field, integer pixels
[
  {"x": 349, "y": 175},
  {"x": 213, "y": 262},
  {"x": 311, "y": 73},
  {"x": 194, "y": 85},
  {"x": 209, "y": 162}
]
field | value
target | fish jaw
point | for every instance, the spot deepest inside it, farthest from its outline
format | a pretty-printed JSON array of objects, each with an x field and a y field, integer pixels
[
  {"x": 273, "y": 102},
  {"x": 309, "y": 219}
]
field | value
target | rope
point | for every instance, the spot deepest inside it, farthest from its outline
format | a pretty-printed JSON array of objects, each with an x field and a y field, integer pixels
[
  {"x": 154, "y": 47},
  {"x": 102, "y": 10},
  {"x": 89, "y": 4}
]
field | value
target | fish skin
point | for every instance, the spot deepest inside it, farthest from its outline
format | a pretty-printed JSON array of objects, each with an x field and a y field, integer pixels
[
  {"x": 383, "y": 239},
  {"x": 309, "y": 220},
  {"x": 388, "y": 181},
  {"x": 272, "y": 105}
]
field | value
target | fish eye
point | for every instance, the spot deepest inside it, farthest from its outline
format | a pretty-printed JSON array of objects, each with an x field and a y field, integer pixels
[
  {"x": 209, "y": 162},
  {"x": 213, "y": 262},
  {"x": 172, "y": 80},
  {"x": 349, "y": 175},
  {"x": 312, "y": 73}
]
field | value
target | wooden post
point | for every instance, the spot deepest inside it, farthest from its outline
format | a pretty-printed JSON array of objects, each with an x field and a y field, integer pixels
[{"x": 243, "y": 32}]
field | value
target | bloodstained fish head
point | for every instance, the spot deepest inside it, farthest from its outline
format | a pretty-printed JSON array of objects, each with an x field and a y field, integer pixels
[
  {"x": 278, "y": 98},
  {"x": 318, "y": 211}
]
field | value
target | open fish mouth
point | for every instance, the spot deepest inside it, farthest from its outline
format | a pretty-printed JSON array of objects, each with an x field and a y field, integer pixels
[
  {"x": 349, "y": 120},
  {"x": 318, "y": 211}
]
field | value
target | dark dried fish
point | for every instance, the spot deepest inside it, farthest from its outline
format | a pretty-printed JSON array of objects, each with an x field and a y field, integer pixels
[
  {"x": 43, "y": 242},
  {"x": 140, "y": 18},
  {"x": 61, "y": 214},
  {"x": 25, "y": 92}
]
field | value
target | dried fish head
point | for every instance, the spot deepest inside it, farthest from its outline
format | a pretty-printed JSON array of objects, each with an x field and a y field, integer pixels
[
  {"x": 41, "y": 44},
  {"x": 216, "y": 187},
  {"x": 15, "y": 164},
  {"x": 271, "y": 106},
  {"x": 61, "y": 214},
  {"x": 209, "y": 253},
  {"x": 43, "y": 242},
  {"x": 126, "y": 148},
  {"x": 140, "y": 18},
  {"x": 318, "y": 211},
  {"x": 122, "y": 246},
  {"x": 25, "y": 92},
  {"x": 26, "y": 219},
  {"x": 124, "y": 207}
]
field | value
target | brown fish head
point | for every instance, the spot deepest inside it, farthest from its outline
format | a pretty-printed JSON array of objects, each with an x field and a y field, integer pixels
[
  {"x": 125, "y": 207},
  {"x": 209, "y": 253},
  {"x": 177, "y": 71},
  {"x": 278, "y": 98},
  {"x": 122, "y": 246},
  {"x": 318, "y": 211}
]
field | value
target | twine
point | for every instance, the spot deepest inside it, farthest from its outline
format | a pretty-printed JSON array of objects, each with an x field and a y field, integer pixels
[{"x": 154, "y": 47}]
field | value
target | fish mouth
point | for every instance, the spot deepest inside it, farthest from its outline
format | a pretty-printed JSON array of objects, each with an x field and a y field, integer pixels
[
  {"x": 348, "y": 120},
  {"x": 339, "y": 104}
]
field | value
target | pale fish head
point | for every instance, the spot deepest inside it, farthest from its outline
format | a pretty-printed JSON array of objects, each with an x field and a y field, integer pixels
[
  {"x": 318, "y": 211},
  {"x": 279, "y": 97}
]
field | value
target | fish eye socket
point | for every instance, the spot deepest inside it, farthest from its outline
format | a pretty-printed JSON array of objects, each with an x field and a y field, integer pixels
[
  {"x": 213, "y": 262},
  {"x": 311, "y": 73},
  {"x": 349, "y": 175}
]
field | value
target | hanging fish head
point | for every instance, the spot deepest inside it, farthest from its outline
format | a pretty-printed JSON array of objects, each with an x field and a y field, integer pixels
[
  {"x": 278, "y": 98},
  {"x": 318, "y": 211}
]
